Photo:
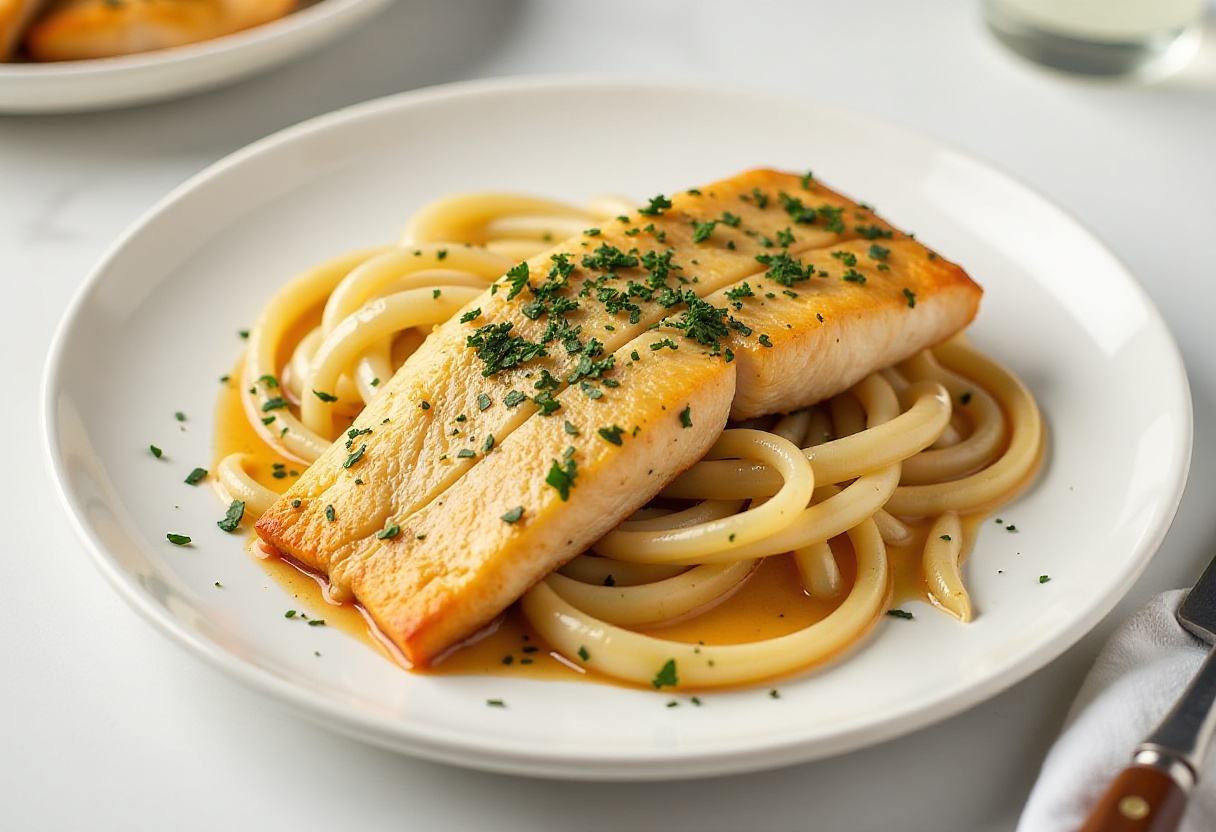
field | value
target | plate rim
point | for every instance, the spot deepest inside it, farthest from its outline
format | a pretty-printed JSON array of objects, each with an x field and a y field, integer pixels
[{"x": 610, "y": 764}]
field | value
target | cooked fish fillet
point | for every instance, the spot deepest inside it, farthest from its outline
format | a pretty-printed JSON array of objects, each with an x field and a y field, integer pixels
[
  {"x": 421, "y": 441},
  {"x": 81, "y": 29},
  {"x": 15, "y": 15}
]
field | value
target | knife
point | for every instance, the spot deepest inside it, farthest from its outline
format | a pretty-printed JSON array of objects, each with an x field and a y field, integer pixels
[{"x": 1150, "y": 794}]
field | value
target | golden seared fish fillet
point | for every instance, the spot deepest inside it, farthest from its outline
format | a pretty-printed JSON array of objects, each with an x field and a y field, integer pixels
[
  {"x": 79, "y": 29},
  {"x": 760, "y": 293},
  {"x": 15, "y": 15}
]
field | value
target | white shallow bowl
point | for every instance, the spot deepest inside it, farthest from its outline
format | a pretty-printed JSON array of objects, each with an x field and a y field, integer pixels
[
  {"x": 104, "y": 83},
  {"x": 156, "y": 323}
]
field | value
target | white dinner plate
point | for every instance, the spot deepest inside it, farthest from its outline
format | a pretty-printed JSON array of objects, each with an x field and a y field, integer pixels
[
  {"x": 156, "y": 325},
  {"x": 103, "y": 83}
]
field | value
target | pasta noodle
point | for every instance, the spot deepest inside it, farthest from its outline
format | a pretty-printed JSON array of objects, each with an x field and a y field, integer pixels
[{"x": 911, "y": 458}]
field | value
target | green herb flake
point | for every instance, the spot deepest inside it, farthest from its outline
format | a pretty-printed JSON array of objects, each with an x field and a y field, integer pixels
[
  {"x": 611, "y": 435},
  {"x": 232, "y": 517},
  {"x": 483, "y": 401},
  {"x": 388, "y": 532},
  {"x": 471, "y": 315},
  {"x": 513, "y": 515},
  {"x": 270, "y": 381},
  {"x": 267, "y": 420},
  {"x": 1011, "y": 528},
  {"x": 686, "y": 416},
  {"x": 1042, "y": 578},
  {"x": 330, "y": 515},
  {"x": 657, "y": 206},
  {"x": 435, "y": 293},
  {"x": 465, "y": 453},
  {"x": 496, "y": 703},
  {"x": 774, "y": 694},
  {"x": 946, "y": 538},
  {"x": 900, "y": 614},
  {"x": 274, "y": 403},
  {"x": 244, "y": 333},
  {"x": 666, "y": 677},
  {"x": 911, "y": 296},
  {"x": 196, "y": 476},
  {"x": 425, "y": 405},
  {"x": 562, "y": 477},
  {"x": 570, "y": 429},
  {"x": 877, "y": 252},
  {"x": 178, "y": 539},
  {"x": 290, "y": 614},
  {"x": 295, "y": 503},
  {"x": 156, "y": 452},
  {"x": 488, "y": 445},
  {"x": 765, "y": 341},
  {"x": 325, "y": 397},
  {"x": 583, "y": 654},
  {"x": 355, "y": 456},
  {"x": 513, "y": 398}
]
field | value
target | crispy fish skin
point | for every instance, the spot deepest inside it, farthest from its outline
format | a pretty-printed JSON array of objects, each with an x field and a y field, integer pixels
[
  {"x": 456, "y": 564},
  {"x": 836, "y": 331},
  {"x": 415, "y": 456}
]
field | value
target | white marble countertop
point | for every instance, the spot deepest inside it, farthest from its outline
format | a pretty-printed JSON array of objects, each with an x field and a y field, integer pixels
[{"x": 106, "y": 725}]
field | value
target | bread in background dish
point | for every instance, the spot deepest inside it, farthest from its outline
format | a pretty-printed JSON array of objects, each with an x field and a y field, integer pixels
[
  {"x": 73, "y": 30},
  {"x": 15, "y": 16}
]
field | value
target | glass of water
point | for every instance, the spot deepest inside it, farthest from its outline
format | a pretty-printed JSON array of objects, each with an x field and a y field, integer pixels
[{"x": 1130, "y": 39}]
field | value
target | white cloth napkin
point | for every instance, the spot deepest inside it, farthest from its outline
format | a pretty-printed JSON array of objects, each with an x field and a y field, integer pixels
[{"x": 1137, "y": 678}]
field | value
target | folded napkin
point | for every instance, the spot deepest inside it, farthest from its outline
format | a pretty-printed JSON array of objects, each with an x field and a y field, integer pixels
[{"x": 1137, "y": 678}]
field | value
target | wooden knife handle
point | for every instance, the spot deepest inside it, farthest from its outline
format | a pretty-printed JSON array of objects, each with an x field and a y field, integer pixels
[{"x": 1141, "y": 799}]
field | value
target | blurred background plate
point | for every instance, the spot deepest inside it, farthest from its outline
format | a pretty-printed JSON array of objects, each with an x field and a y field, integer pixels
[{"x": 104, "y": 83}]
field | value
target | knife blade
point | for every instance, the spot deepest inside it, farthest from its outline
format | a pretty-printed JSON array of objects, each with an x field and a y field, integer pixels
[{"x": 1150, "y": 794}]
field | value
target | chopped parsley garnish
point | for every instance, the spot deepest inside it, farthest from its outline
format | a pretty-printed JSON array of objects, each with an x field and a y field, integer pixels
[
  {"x": 570, "y": 429},
  {"x": 784, "y": 269},
  {"x": 465, "y": 453},
  {"x": 911, "y": 296},
  {"x": 701, "y": 231},
  {"x": 900, "y": 614},
  {"x": 156, "y": 452},
  {"x": 517, "y": 276},
  {"x": 425, "y": 405},
  {"x": 514, "y": 514},
  {"x": 657, "y": 206},
  {"x": 316, "y": 622},
  {"x": 547, "y": 404},
  {"x": 388, "y": 532},
  {"x": 270, "y": 381},
  {"x": 471, "y": 315},
  {"x": 483, "y": 401},
  {"x": 872, "y": 232},
  {"x": 274, "y": 403},
  {"x": 435, "y": 293},
  {"x": 1011, "y": 528},
  {"x": 562, "y": 477},
  {"x": 330, "y": 515},
  {"x": 666, "y": 677},
  {"x": 666, "y": 342},
  {"x": 1042, "y": 578},
  {"x": 177, "y": 539},
  {"x": 612, "y": 434},
  {"x": 764, "y": 341},
  {"x": 774, "y": 694},
  {"x": 846, "y": 257},
  {"x": 877, "y": 252},
  {"x": 496, "y": 703},
  {"x": 488, "y": 445},
  {"x": 196, "y": 476},
  {"x": 295, "y": 503},
  {"x": 946, "y": 537},
  {"x": 686, "y": 416},
  {"x": 513, "y": 398},
  {"x": 374, "y": 382},
  {"x": 583, "y": 654},
  {"x": 232, "y": 517},
  {"x": 499, "y": 349},
  {"x": 290, "y": 614},
  {"x": 854, "y": 276},
  {"x": 355, "y": 456},
  {"x": 325, "y": 397}
]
